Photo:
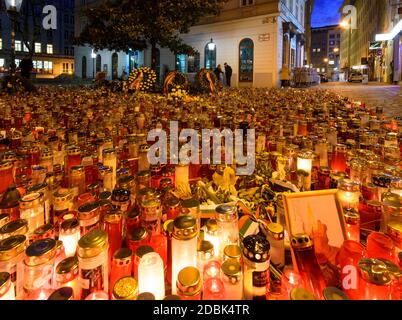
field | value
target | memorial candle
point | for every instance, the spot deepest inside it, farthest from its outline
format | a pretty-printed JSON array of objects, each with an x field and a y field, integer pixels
[
  {"x": 151, "y": 275},
  {"x": 305, "y": 164}
]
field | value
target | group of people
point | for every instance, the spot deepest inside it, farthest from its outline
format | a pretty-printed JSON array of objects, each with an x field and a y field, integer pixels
[{"x": 224, "y": 76}]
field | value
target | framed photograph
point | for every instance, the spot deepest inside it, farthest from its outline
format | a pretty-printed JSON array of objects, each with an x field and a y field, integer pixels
[{"x": 307, "y": 212}]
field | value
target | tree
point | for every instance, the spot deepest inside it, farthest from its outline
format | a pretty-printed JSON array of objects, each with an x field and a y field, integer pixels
[{"x": 122, "y": 25}]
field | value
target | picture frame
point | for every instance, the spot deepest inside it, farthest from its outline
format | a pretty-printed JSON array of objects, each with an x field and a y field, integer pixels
[{"x": 304, "y": 209}]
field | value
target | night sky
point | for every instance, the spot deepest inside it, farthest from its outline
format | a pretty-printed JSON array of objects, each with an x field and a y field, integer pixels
[{"x": 325, "y": 12}]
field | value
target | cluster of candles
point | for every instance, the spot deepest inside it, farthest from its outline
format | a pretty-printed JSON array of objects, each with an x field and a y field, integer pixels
[{"x": 83, "y": 215}]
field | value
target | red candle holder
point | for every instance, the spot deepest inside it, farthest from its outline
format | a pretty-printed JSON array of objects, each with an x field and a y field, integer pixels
[{"x": 380, "y": 245}]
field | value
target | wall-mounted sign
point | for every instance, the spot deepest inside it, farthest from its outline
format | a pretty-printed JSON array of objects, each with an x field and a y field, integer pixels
[{"x": 264, "y": 37}]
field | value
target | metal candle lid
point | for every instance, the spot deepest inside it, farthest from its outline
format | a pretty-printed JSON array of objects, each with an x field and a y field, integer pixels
[
  {"x": 276, "y": 231},
  {"x": 256, "y": 248},
  {"x": 374, "y": 271},
  {"x": 139, "y": 233},
  {"x": 64, "y": 293},
  {"x": 349, "y": 185},
  {"x": 92, "y": 244},
  {"x": 231, "y": 269},
  {"x": 19, "y": 226},
  {"x": 125, "y": 289},
  {"x": 226, "y": 213},
  {"x": 5, "y": 282},
  {"x": 301, "y": 241},
  {"x": 30, "y": 200},
  {"x": 301, "y": 294},
  {"x": 123, "y": 254},
  {"x": 332, "y": 293},
  {"x": 205, "y": 249},
  {"x": 146, "y": 296},
  {"x": 184, "y": 227},
  {"x": 40, "y": 252},
  {"x": 12, "y": 247},
  {"x": 189, "y": 281},
  {"x": 232, "y": 251},
  {"x": 143, "y": 250}
]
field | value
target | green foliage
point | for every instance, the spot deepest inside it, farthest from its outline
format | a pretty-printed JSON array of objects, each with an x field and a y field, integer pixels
[
  {"x": 14, "y": 84},
  {"x": 133, "y": 24}
]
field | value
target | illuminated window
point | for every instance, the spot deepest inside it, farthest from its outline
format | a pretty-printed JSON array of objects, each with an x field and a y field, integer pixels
[
  {"x": 49, "y": 49},
  {"x": 25, "y": 47},
  {"x": 1, "y": 43},
  {"x": 318, "y": 49},
  {"x": 38, "y": 47},
  {"x": 2, "y": 62},
  {"x": 18, "y": 45}
]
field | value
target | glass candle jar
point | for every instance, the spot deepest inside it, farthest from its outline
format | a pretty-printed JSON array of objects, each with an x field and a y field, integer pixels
[
  {"x": 38, "y": 269},
  {"x": 350, "y": 253},
  {"x": 43, "y": 188},
  {"x": 151, "y": 214},
  {"x": 70, "y": 234},
  {"x": 184, "y": 246},
  {"x": 138, "y": 237},
  {"x": 73, "y": 157},
  {"x": 6, "y": 287},
  {"x": 338, "y": 163},
  {"x": 143, "y": 179},
  {"x": 143, "y": 163},
  {"x": 307, "y": 264},
  {"x": 391, "y": 210},
  {"x": 205, "y": 252},
  {"x": 151, "y": 275},
  {"x": 380, "y": 245},
  {"x": 32, "y": 210},
  {"x": 10, "y": 203},
  {"x": 128, "y": 183},
  {"x": 172, "y": 208},
  {"x": 122, "y": 266},
  {"x": 46, "y": 159},
  {"x": 113, "y": 225},
  {"x": 227, "y": 220},
  {"x": 394, "y": 231},
  {"x": 189, "y": 284},
  {"x": 232, "y": 277},
  {"x": 33, "y": 156},
  {"x": 323, "y": 178},
  {"x": 212, "y": 234},
  {"x": 93, "y": 262},
  {"x": 139, "y": 253},
  {"x": 67, "y": 276},
  {"x": 12, "y": 252},
  {"x": 125, "y": 289},
  {"x": 304, "y": 166},
  {"x": 232, "y": 251},
  {"x": 133, "y": 220},
  {"x": 12, "y": 228},
  {"x": 77, "y": 180},
  {"x": 4, "y": 218},
  {"x": 374, "y": 281},
  {"x": 62, "y": 203},
  {"x": 43, "y": 232},
  {"x": 256, "y": 259},
  {"x": 6, "y": 175},
  {"x": 321, "y": 149},
  {"x": 352, "y": 221},
  {"x": 89, "y": 217},
  {"x": 275, "y": 234},
  {"x": 109, "y": 159},
  {"x": 182, "y": 174},
  {"x": 214, "y": 289},
  {"x": 357, "y": 170},
  {"x": 191, "y": 207},
  {"x": 349, "y": 194},
  {"x": 168, "y": 233}
]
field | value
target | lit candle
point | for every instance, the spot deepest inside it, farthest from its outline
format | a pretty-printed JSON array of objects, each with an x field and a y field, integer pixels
[
  {"x": 189, "y": 284},
  {"x": 205, "y": 252},
  {"x": 305, "y": 164},
  {"x": 211, "y": 234},
  {"x": 143, "y": 162},
  {"x": 338, "y": 163},
  {"x": 67, "y": 276},
  {"x": 122, "y": 266},
  {"x": 6, "y": 287},
  {"x": 184, "y": 246},
  {"x": 275, "y": 235},
  {"x": 125, "y": 289},
  {"x": 109, "y": 159},
  {"x": 214, "y": 289},
  {"x": 321, "y": 149},
  {"x": 233, "y": 279},
  {"x": 98, "y": 295},
  {"x": 352, "y": 220},
  {"x": 349, "y": 193},
  {"x": 182, "y": 175},
  {"x": 70, "y": 234},
  {"x": 151, "y": 275},
  {"x": 227, "y": 220},
  {"x": 211, "y": 269}
]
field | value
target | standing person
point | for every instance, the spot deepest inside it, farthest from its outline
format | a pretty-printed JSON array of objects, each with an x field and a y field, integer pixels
[
  {"x": 228, "y": 74},
  {"x": 26, "y": 67},
  {"x": 285, "y": 76},
  {"x": 218, "y": 71}
]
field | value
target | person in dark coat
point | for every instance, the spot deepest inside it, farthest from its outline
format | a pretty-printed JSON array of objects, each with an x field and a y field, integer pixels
[
  {"x": 218, "y": 71},
  {"x": 228, "y": 74},
  {"x": 26, "y": 67}
]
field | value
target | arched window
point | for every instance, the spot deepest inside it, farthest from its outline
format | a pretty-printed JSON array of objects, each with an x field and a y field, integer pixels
[
  {"x": 115, "y": 64},
  {"x": 210, "y": 56},
  {"x": 98, "y": 63},
  {"x": 246, "y": 61},
  {"x": 193, "y": 63},
  {"x": 84, "y": 67}
]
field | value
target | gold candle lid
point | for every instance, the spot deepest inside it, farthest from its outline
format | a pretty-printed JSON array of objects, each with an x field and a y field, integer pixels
[
  {"x": 301, "y": 294},
  {"x": 212, "y": 226},
  {"x": 12, "y": 247},
  {"x": 30, "y": 200},
  {"x": 125, "y": 289},
  {"x": 332, "y": 293},
  {"x": 67, "y": 269},
  {"x": 231, "y": 269},
  {"x": 123, "y": 254},
  {"x": 205, "y": 249},
  {"x": 5, "y": 282},
  {"x": 276, "y": 231},
  {"x": 189, "y": 281},
  {"x": 40, "y": 252},
  {"x": 184, "y": 227},
  {"x": 64, "y": 293},
  {"x": 44, "y": 229},
  {"x": 92, "y": 244},
  {"x": 19, "y": 226},
  {"x": 301, "y": 241},
  {"x": 374, "y": 271},
  {"x": 232, "y": 251}
]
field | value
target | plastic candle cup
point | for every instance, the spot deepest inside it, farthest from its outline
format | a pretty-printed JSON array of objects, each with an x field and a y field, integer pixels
[
  {"x": 151, "y": 275},
  {"x": 70, "y": 235},
  {"x": 189, "y": 284},
  {"x": 232, "y": 276},
  {"x": 122, "y": 266},
  {"x": 349, "y": 193},
  {"x": 6, "y": 287},
  {"x": 305, "y": 164}
]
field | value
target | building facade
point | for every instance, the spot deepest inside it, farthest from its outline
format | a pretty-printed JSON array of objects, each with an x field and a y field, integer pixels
[
  {"x": 255, "y": 37},
  {"x": 53, "y": 50},
  {"x": 369, "y": 21},
  {"x": 325, "y": 50}
]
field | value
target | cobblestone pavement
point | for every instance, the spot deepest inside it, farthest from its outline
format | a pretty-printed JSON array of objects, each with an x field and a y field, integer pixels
[{"x": 373, "y": 94}]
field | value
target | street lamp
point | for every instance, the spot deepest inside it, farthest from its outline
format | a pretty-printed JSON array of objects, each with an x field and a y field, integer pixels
[
  {"x": 211, "y": 45},
  {"x": 13, "y": 8},
  {"x": 347, "y": 24},
  {"x": 93, "y": 56}
]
